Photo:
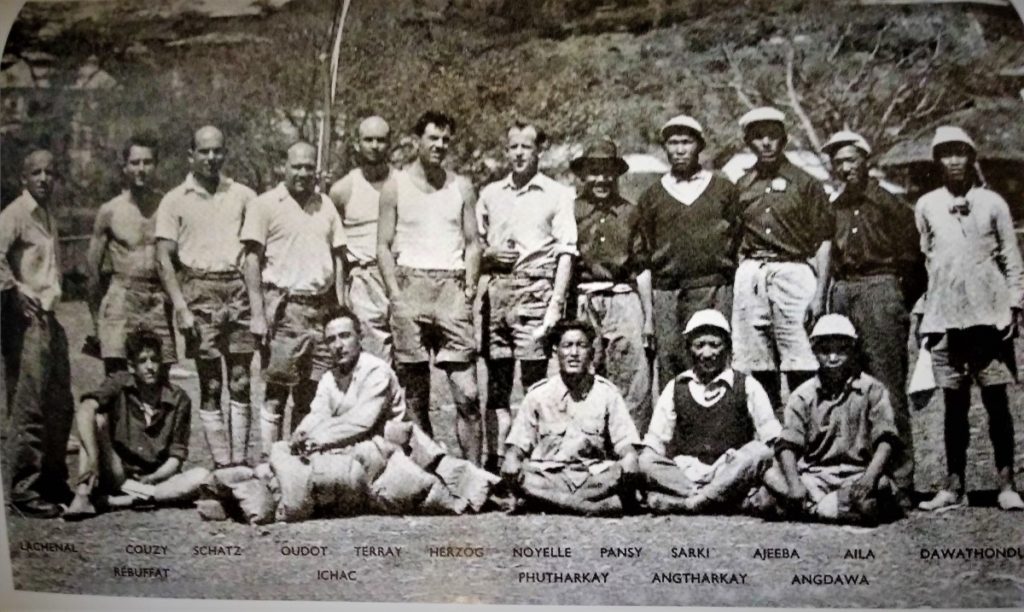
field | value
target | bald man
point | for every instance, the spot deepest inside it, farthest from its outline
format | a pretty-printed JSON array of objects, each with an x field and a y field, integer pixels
[
  {"x": 34, "y": 345},
  {"x": 294, "y": 270},
  {"x": 357, "y": 197},
  {"x": 198, "y": 253}
]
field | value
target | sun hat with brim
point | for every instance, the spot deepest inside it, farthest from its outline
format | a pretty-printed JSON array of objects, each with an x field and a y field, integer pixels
[
  {"x": 682, "y": 122},
  {"x": 762, "y": 114},
  {"x": 946, "y": 134},
  {"x": 600, "y": 153},
  {"x": 707, "y": 318},
  {"x": 844, "y": 138},
  {"x": 833, "y": 325}
]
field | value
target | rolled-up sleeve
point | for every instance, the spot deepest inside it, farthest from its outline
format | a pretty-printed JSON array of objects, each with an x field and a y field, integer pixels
[
  {"x": 182, "y": 428},
  {"x": 167, "y": 224},
  {"x": 621, "y": 428},
  {"x": 761, "y": 412},
  {"x": 255, "y": 222},
  {"x": 881, "y": 417},
  {"x": 563, "y": 225},
  {"x": 662, "y": 426},
  {"x": 523, "y": 433},
  {"x": 10, "y": 226},
  {"x": 794, "y": 430}
]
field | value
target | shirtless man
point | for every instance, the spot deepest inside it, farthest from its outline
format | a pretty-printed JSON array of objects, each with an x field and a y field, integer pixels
[
  {"x": 357, "y": 196},
  {"x": 124, "y": 233},
  {"x": 429, "y": 259},
  {"x": 198, "y": 255}
]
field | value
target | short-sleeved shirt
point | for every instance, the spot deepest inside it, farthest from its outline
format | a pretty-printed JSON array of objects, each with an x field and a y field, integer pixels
[
  {"x": 663, "y": 419},
  {"x": 298, "y": 240},
  {"x": 134, "y": 260},
  {"x": 875, "y": 233},
  {"x": 839, "y": 431},
  {"x": 205, "y": 225},
  {"x": 372, "y": 398},
  {"x": 974, "y": 266},
  {"x": 786, "y": 214},
  {"x": 553, "y": 428},
  {"x": 30, "y": 250},
  {"x": 607, "y": 240},
  {"x": 142, "y": 443},
  {"x": 537, "y": 219}
]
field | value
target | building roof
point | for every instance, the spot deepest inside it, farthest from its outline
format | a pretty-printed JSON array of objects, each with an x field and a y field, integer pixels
[{"x": 994, "y": 124}]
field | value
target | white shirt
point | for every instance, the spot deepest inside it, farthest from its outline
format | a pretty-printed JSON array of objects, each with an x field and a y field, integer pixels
[{"x": 686, "y": 191}]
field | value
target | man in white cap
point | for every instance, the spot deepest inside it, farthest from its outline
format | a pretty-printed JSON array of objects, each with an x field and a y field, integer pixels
[
  {"x": 605, "y": 276},
  {"x": 357, "y": 196},
  {"x": 707, "y": 445},
  {"x": 689, "y": 229},
  {"x": 839, "y": 433},
  {"x": 874, "y": 258},
  {"x": 528, "y": 226},
  {"x": 972, "y": 309},
  {"x": 786, "y": 224}
]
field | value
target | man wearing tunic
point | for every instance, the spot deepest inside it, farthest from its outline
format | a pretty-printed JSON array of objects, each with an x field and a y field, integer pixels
[
  {"x": 972, "y": 310},
  {"x": 708, "y": 443},
  {"x": 572, "y": 446},
  {"x": 123, "y": 234}
]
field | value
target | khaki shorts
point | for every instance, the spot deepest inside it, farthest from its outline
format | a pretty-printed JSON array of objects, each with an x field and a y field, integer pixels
[
  {"x": 131, "y": 304},
  {"x": 295, "y": 325},
  {"x": 219, "y": 302},
  {"x": 770, "y": 300},
  {"x": 369, "y": 301},
  {"x": 430, "y": 314},
  {"x": 513, "y": 310},
  {"x": 978, "y": 354}
]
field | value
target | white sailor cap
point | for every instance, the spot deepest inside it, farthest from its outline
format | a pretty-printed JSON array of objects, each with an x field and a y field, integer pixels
[
  {"x": 760, "y": 114},
  {"x": 843, "y": 138},
  {"x": 833, "y": 325},
  {"x": 685, "y": 122},
  {"x": 950, "y": 133},
  {"x": 707, "y": 318}
]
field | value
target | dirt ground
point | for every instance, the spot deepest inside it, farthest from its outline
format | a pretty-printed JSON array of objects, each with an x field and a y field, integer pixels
[{"x": 897, "y": 571}]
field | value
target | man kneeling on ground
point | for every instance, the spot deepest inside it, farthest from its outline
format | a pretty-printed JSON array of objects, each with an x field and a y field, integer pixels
[
  {"x": 568, "y": 429},
  {"x": 353, "y": 453},
  {"x": 839, "y": 434},
  {"x": 707, "y": 445},
  {"x": 134, "y": 437}
]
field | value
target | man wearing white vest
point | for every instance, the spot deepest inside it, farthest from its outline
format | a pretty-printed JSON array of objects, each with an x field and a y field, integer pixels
[
  {"x": 357, "y": 196},
  {"x": 429, "y": 259}
]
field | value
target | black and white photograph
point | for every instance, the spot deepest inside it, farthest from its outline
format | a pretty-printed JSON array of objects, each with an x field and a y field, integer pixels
[{"x": 564, "y": 302}]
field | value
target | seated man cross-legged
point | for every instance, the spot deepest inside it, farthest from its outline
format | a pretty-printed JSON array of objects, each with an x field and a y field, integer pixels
[
  {"x": 572, "y": 444},
  {"x": 134, "y": 434},
  {"x": 707, "y": 445},
  {"x": 838, "y": 437}
]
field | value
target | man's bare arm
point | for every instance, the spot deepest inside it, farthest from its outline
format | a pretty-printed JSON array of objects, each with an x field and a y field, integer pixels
[
  {"x": 340, "y": 193},
  {"x": 85, "y": 419},
  {"x": 470, "y": 235},
  {"x": 252, "y": 272},
  {"x": 339, "y": 275},
  {"x": 98, "y": 243},
  {"x": 386, "y": 224},
  {"x": 166, "y": 253}
]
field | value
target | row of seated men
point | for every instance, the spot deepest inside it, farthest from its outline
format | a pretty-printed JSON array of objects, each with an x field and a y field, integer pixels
[{"x": 713, "y": 444}]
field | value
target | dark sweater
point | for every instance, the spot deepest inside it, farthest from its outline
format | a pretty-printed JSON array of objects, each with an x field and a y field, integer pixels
[
  {"x": 682, "y": 243},
  {"x": 707, "y": 432}
]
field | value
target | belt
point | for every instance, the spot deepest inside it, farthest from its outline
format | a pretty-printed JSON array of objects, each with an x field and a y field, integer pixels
[
  {"x": 772, "y": 257},
  {"x": 311, "y": 299},
  {"x": 864, "y": 276},
  {"x": 142, "y": 280},
  {"x": 429, "y": 273},
  {"x": 709, "y": 280},
  {"x": 211, "y": 275},
  {"x": 361, "y": 265},
  {"x": 605, "y": 287},
  {"x": 526, "y": 274}
]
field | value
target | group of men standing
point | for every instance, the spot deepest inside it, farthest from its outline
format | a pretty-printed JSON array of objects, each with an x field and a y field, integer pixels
[{"x": 603, "y": 283}]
